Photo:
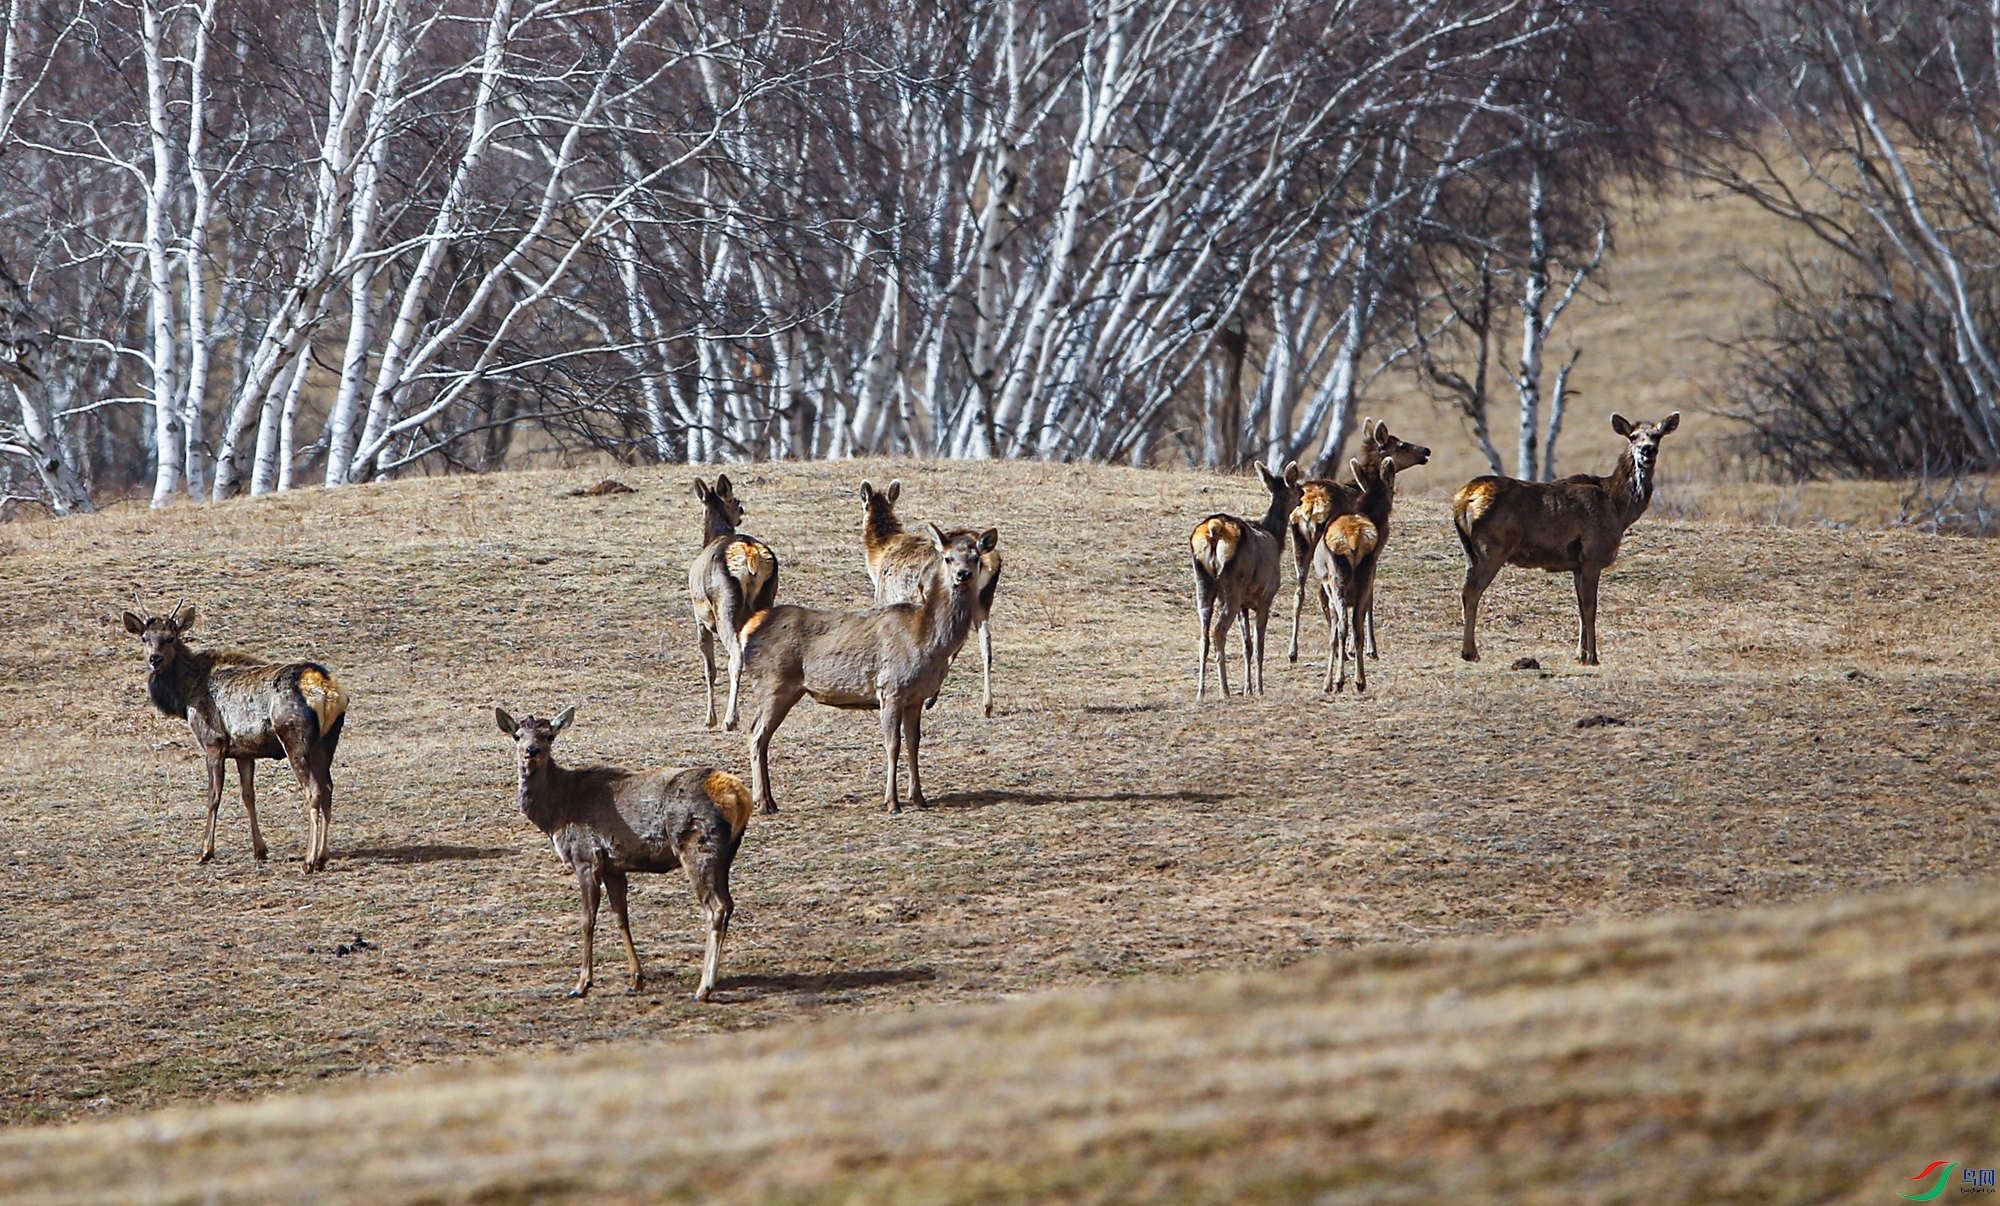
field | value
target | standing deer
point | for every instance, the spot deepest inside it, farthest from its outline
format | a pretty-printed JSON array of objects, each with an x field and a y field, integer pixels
[
  {"x": 1236, "y": 570},
  {"x": 731, "y": 579},
  {"x": 1323, "y": 500},
  {"x": 891, "y": 657},
  {"x": 606, "y": 823},
  {"x": 244, "y": 708},
  {"x": 901, "y": 565},
  {"x": 1574, "y": 523},
  {"x": 1345, "y": 566}
]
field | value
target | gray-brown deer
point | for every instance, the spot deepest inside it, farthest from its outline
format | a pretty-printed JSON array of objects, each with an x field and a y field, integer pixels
[
  {"x": 891, "y": 658},
  {"x": 733, "y": 578},
  {"x": 1236, "y": 571},
  {"x": 901, "y": 565},
  {"x": 246, "y": 708},
  {"x": 1345, "y": 565},
  {"x": 606, "y": 823},
  {"x": 1574, "y": 523},
  {"x": 1323, "y": 500}
]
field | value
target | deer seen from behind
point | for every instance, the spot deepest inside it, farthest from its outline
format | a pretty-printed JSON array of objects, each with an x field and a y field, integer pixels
[
  {"x": 1574, "y": 523},
  {"x": 891, "y": 658},
  {"x": 1323, "y": 500},
  {"x": 731, "y": 579},
  {"x": 1236, "y": 572},
  {"x": 607, "y": 823},
  {"x": 1345, "y": 565},
  {"x": 244, "y": 708},
  {"x": 901, "y": 565}
]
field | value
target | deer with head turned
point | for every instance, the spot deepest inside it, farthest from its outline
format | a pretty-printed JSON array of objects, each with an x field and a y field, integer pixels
[
  {"x": 901, "y": 566},
  {"x": 733, "y": 577},
  {"x": 245, "y": 708},
  {"x": 891, "y": 658},
  {"x": 1574, "y": 523},
  {"x": 1236, "y": 571},
  {"x": 606, "y": 823},
  {"x": 1323, "y": 500},
  {"x": 1345, "y": 566}
]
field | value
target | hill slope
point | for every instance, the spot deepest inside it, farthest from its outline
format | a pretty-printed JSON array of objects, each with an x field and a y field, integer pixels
[
  {"x": 1810, "y": 1053},
  {"x": 1804, "y": 713}
]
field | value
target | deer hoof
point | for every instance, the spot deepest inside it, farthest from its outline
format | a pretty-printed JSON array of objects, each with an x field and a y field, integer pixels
[
  {"x": 637, "y": 983},
  {"x": 701, "y": 994},
  {"x": 207, "y": 856},
  {"x": 770, "y": 806},
  {"x": 577, "y": 992},
  {"x": 1470, "y": 655},
  {"x": 259, "y": 853}
]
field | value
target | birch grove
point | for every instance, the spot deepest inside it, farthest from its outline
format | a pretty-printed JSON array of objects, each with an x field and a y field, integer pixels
[{"x": 255, "y": 244}]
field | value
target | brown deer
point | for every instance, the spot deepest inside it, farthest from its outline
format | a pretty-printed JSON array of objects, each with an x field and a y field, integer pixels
[
  {"x": 891, "y": 658},
  {"x": 1236, "y": 570},
  {"x": 1345, "y": 566},
  {"x": 1323, "y": 500},
  {"x": 606, "y": 823},
  {"x": 245, "y": 708},
  {"x": 731, "y": 579},
  {"x": 901, "y": 565},
  {"x": 1573, "y": 523}
]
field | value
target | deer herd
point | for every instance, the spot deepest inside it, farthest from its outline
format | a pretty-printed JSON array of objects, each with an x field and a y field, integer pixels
[{"x": 932, "y": 590}]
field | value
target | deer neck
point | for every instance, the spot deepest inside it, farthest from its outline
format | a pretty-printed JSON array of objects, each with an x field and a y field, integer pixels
[
  {"x": 715, "y": 525},
  {"x": 172, "y": 687},
  {"x": 881, "y": 524},
  {"x": 541, "y": 791},
  {"x": 1278, "y": 515},
  {"x": 1630, "y": 487},
  {"x": 946, "y": 621}
]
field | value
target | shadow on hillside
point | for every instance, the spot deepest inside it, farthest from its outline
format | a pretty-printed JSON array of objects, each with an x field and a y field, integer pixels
[
  {"x": 830, "y": 981},
  {"x": 424, "y": 854},
  {"x": 986, "y": 799}
]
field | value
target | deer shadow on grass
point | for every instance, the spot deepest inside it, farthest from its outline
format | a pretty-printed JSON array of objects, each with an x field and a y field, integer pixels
[
  {"x": 986, "y": 799},
  {"x": 427, "y": 853},
  {"x": 820, "y": 982}
]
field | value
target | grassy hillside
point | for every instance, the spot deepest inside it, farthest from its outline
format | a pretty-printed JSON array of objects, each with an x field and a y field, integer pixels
[
  {"x": 1819, "y": 1053},
  {"x": 1782, "y": 715}
]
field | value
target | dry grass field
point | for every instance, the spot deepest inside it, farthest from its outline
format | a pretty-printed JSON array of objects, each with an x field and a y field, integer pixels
[{"x": 1783, "y": 715}]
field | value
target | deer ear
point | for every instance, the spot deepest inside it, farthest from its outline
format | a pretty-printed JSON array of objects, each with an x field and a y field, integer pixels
[
  {"x": 895, "y": 489},
  {"x": 1293, "y": 474},
  {"x": 1382, "y": 434},
  {"x": 1621, "y": 425},
  {"x": 1670, "y": 422},
  {"x": 989, "y": 540},
  {"x": 937, "y": 536},
  {"x": 505, "y": 721},
  {"x": 186, "y": 621},
  {"x": 1354, "y": 467},
  {"x": 1270, "y": 478},
  {"x": 723, "y": 487},
  {"x": 701, "y": 489},
  {"x": 867, "y": 490},
  {"x": 1388, "y": 472},
  {"x": 133, "y": 624},
  {"x": 563, "y": 718}
]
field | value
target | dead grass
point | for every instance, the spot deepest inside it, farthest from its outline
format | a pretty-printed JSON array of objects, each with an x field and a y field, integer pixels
[{"x": 1808, "y": 713}]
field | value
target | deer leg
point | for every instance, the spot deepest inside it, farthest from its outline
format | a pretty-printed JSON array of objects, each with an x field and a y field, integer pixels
[
  {"x": 1365, "y": 607},
  {"x": 913, "y": 735},
  {"x": 892, "y": 749},
  {"x": 295, "y": 753},
  {"x": 1372, "y": 650},
  {"x": 708, "y": 670},
  {"x": 1343, "y": 622},
  {"x": 614, "y": 891},
  {"x": 215, "y": 773},
  {"x": 1332, "y": 636},
  {"x": 1586, "y": 611},
  {"x": 1204, "y": 605},
  {"x": 586, "y": 883},
  {"x": 1222, "y": 651},
  {"x": 320, "y": 763},
  {"x": 246, "y": 779},
  {"x": 1304, "y": 561},
  {"x": 731, "y": 636},
  {"x": 769, "y": 717},
  {"x": 986, "y": 666},
  {"x": 1478, "y": 576},
  {"x": 711, "y": 876}
]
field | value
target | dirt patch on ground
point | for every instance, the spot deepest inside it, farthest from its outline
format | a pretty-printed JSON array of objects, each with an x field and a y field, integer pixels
[{"x": 1805, "y": 712}]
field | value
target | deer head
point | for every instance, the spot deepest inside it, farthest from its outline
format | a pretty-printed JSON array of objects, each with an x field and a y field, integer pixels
[
  {"x": 162, "y": 634},
  {"x": 534, "y": 738}
]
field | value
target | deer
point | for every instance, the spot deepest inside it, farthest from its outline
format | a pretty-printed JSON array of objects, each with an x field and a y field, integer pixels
[
  {"x": 733, "y": 577},
  {"x": 900, "y": 565},
  {"x": 1345, "y": 565},
  {"x": 1236, "y": 571},
  {"x": 1573, "y": 523},
  {"x": 606, "y": 823},
  {"x": 1323, "y": 500},
  {"x": 244, "y": 708},
  {"x": 891, "y": 657}
]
